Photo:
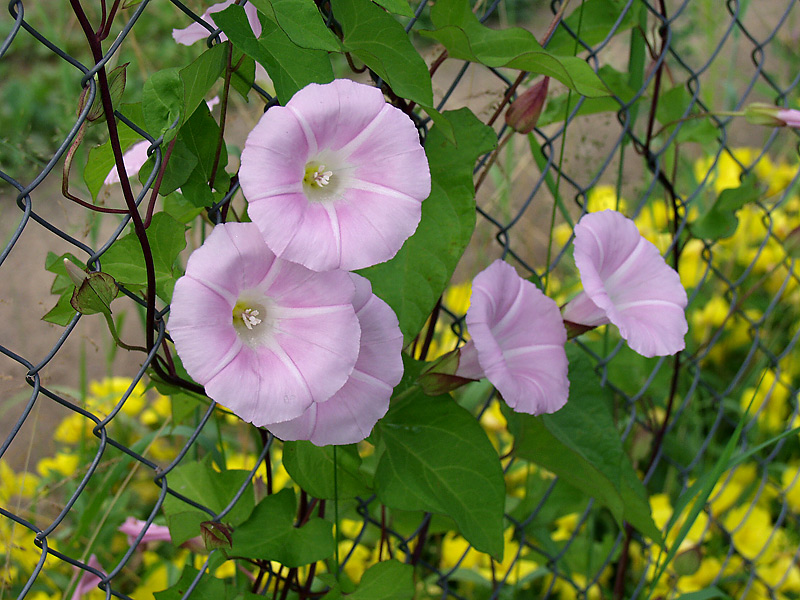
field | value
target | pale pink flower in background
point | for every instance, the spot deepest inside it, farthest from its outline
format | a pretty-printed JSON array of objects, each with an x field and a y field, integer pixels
[
  {"x": 133, "y": 159},
  {"x": 265, "y": 336},
  {"x": 336, "y": 178},
  {"x": 132, "y": 527},
  {"x": 196, "y": 32},
  {"x": 88, "y": 580},
  {"x": 517, "y": 341},
  {"x": 351, "y": 413},
  {"x": 627, "y": 282}
]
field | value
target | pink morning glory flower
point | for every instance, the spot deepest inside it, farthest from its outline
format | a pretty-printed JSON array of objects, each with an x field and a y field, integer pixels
[
  {"x": 195, "y": 32},
  {"x": 517, "y": 341},
  {"x": 627, "y": 282},
  {"x": 265, "y": 336},
  {"x": 351, "y": 413},
  {"x": 88, "y": 580},
  {"x": 336, "y": 178},
  {"x": 132, "y": 527}
]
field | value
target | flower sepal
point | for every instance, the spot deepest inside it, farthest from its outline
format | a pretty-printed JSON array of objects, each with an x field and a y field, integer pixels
[
  {"x": 216, "y": 535},
  {"x": 439, "y": 377},
  {"x": 576, "y": 329},
  {"x": 94, "y": 294}
]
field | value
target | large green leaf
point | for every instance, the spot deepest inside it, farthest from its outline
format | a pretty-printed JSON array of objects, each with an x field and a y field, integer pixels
[
  {"x": 415, "y": 278},
  {"x": 594, "y": 20},
  {"x": 301, "y": 21},
  {"x": 311, "y": 467},
  {"x": 381, "y": 42},
  {"x": 466, "y": 38},
  {"x": 209, "y": 588},
  {"x": 435, "y": 457},
  {"x": 202, "y": 484},
  {"x": 580, "y": 444},
  {"x": 386, "y": 580},
  {"x": 124, "y": 260},
  {"x": 290, "y": 66},
  {"x": 170, "y": 96},
  {"x": 270, "y": 534},
  {"x": 720, "y": 221}
]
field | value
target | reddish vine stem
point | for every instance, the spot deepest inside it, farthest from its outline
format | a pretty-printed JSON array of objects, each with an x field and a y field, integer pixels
[
  {"x": 157, "y": 185},
  {"x": 138, "y": 225}
]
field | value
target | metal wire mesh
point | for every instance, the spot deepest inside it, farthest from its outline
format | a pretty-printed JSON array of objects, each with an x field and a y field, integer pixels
[{"x": 734, "y": 55}]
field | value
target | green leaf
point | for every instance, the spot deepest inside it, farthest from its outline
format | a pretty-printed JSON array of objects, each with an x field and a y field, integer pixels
[
  {"x": 179, "y": 208},
  {"x": 466, "y": 38},
  {"x": 580, "y": 444},
  {"x": 720, "y": 221},
  {"x": 170, "y": 96},
  {"x": 414, "y": 279},
  {"x": 709, "y": 593},
  {"x": 270, "y": 534},
  {"x": 382, "y": 43},
  {"x": 101, "y": 158},
  {"x": 290, "y": 66},
  {"x": 124, "y": 260},
  {"x": 436, "y": 456},
  {"x": 181, "y": 163},
  {"x": 209, "y": 587},
  {"x": 301, "y": 21},
  {"x": 63, "y": 312},
  {"x": 386, "y": 580},
  {"x": 397, "y": 7},
  {"x": 201, "y": 483},
  {"x": 311, "y": 467},
  {"x": 594, "y": 19}
]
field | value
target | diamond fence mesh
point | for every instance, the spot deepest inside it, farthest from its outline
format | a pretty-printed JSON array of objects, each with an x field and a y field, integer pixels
[{"x": 743, "y": 296}]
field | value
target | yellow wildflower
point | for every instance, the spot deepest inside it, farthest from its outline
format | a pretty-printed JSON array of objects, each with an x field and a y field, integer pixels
[
  {"x": 602, "y": 197},
  {"x": 63, "y": 464}
]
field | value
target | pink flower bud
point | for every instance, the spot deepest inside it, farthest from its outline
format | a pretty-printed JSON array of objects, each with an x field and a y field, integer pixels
[
  {"x": 523, "y": 114},
  {"x": 759, "y": 113}
]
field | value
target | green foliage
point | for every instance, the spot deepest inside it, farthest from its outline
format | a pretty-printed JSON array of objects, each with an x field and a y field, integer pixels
[
  {"x": 720, "y": 220},
  {"x": 270, "y": 534},
  {"x": 382, "y": 44},
  {"x": 387, "y": 580},
  {"x": 580, "y": 444},
  {"x": 312, "y": 467},
  {"x": 466, "y": 38},
  {"x": 435, "y": 455},
  {"x": 124, "y": 260},
  {"x": 301, "y": 21},
  {"x": 414, "y": 279}
]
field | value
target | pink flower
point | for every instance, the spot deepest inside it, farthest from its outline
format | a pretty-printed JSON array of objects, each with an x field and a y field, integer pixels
[
  {"x": 351, "y": 413},
  {"x": 789, "y": 116},
  {"x": 336, "y": 178},
  {"x": 626, "y": 282},
  {"x": 133, "y": 159},
  {"x": 195, "y": 32},
  {"x": 266, "y": 337},
  {"x": 517, "y": 341},
  {"x": 88, "y": 580},
  {"x": 155, "y": 533}
]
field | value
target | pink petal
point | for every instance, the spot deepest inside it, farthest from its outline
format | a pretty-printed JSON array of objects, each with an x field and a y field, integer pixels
[
  {"x": 88, "y": 580},
  {"x": 195, "y": 32},
  {"x": 518, "y": 340},
  {"x": 132, "y": 527},
  {"x": 133, "y": 159},
  {"x": 350, "y": 414},
  {"x": 380, "y": 176},
  {"x": 625, "y": 278},
  {"x": 301, "y": 350}
]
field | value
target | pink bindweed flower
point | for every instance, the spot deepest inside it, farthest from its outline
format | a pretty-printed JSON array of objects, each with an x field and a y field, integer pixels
[
  {"x": 155, "y": 533},
  {"x": 133, "y": 159},
  {"x": 627, "y": 282},
  {"x": 336, "y": 178},
  {"x": 196, "y": 32},
  {"x": 517, "y": 342},
  {"x": 759, "y": 113},
  {"x": 88, "y": 580},
  {"x": 351, "y": 413},
  {"x": 265, "y": 336}
]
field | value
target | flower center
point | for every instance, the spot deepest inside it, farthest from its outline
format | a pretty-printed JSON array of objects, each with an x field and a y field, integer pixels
[
  {"x": 316, "y": 175},
  {"x": 252, "y": 321}
]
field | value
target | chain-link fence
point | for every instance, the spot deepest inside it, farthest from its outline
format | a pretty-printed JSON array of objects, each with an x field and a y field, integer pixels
[{"x": 648, "y": 151}]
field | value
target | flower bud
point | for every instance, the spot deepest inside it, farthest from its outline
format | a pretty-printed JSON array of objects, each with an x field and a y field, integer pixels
[
  {"x": 439, "y": 377},
  {"x": 76, "y": 274},
  {"x": 216, "y": 535},
  {"x": 688, "y": 561},
  {"x": 759, "y": 113},
  {"x": 524, "y": 112}
]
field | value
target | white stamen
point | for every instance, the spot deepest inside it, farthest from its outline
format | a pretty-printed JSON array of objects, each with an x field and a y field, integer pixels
[
  {"x": 250, "y": 317},
  {"x": 321, "y": 176}
]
